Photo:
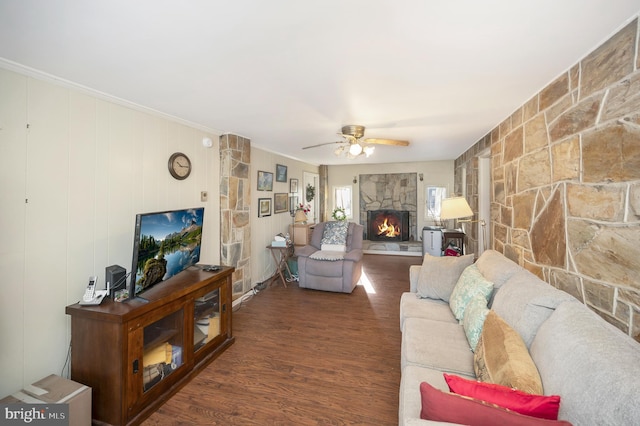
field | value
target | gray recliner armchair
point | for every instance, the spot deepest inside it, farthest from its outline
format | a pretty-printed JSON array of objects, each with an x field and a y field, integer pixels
[{"x": 330, "y": 270}]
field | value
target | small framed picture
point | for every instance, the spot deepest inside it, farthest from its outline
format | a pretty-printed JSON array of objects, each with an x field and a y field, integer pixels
[
  {"x": 293, "y": 185},
  {"x": 264, "y": 207},
  {"x": 281, "y": 173},
  {"x": 293, "y": 204},
  {"x": 265, "y": 181},
  {"x": 280, "y": 202}
]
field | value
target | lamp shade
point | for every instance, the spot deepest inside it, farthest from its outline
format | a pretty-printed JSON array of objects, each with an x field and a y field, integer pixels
[
  {"x": 455, "y": 208},
  {"x": 300, "y": 217}
]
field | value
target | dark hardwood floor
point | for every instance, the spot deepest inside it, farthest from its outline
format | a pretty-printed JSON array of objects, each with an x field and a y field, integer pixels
[{"x": 305, "y": 357}]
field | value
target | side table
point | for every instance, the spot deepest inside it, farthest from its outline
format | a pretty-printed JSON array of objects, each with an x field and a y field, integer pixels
[
  {"x": 453, "y": 235},
  {"x": 301, "y": 233},
  {"x": 280, "y": 256}
]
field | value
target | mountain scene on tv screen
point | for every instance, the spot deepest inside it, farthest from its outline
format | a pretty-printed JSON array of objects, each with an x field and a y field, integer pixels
[{"x": 169, "y": 243}]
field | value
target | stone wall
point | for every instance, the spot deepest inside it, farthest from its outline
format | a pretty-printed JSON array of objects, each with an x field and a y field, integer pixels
[
  {"x": 566, "y": 181},
  {"x": 235, "y": 206},
  {"x": 395, "y": 191}
]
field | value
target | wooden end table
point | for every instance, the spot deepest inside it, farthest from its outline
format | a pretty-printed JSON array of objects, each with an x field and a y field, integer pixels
[{"x": 280, "y": 256}]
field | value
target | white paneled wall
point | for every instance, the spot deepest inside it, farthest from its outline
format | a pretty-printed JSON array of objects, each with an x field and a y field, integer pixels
[
  {"x": 263, "y": 229},
  {"x": 71, "y": 185}
]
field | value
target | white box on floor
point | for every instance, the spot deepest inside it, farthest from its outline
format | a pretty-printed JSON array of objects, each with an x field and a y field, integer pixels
[{"x": 57, "y": 390}]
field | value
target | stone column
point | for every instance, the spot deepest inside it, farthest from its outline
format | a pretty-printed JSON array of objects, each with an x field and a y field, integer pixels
[
  {"x": 323, "y": 193},
  {"x": 235, "y": 206}
]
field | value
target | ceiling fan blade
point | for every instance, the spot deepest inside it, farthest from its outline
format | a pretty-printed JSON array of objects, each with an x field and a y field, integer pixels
[
  {"x": 387, "y": 142},
  {"x": 322, "y": 144}
]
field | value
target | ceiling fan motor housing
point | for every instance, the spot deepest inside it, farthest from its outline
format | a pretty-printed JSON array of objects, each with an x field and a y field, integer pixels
[{"x": 353, "y": 130}]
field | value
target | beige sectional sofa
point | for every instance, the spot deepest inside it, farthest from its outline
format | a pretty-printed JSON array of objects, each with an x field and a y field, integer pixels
[{"x": 591, "y": 365}]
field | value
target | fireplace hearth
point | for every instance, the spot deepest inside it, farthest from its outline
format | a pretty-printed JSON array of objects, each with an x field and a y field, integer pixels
[{"x": 388, "y": 225}]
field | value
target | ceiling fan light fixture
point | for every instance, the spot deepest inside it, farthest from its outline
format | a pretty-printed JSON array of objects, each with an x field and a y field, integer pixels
[
  {"x": 354, "y": 144},
  {"x": 355, "y": 149}
]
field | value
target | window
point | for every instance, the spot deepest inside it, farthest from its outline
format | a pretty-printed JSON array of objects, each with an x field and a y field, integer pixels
[
  {"x": 434, "y": 197},
  {"x": 342, "y": 198}
]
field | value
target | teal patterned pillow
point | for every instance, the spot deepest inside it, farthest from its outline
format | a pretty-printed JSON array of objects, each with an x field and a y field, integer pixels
[
  {"x": 335, "y": 233},
  {"x": 470, "y": 283},
  {"x": 473, "y": 320}
]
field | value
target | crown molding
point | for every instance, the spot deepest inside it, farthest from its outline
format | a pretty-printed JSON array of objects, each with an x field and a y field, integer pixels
[{"x": 41, "y": 75}]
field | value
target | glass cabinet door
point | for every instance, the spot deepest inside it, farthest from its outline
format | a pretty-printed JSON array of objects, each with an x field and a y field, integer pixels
[
  {"x": 162, "y": 350},
  {"x": 206, "y": 319}
]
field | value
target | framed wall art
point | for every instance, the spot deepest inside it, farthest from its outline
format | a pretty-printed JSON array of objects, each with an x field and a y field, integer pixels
[
  {"x": 281, "y": 173},
  {"x": 264, "y": 207},
  {"x": 280, "y": 202},
  {"x": 265, "y": 181},
  {"x": 293, "y": 185}
]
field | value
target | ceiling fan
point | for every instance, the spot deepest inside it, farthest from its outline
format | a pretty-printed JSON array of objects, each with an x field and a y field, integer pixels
[{"x": 354, "y": 144}]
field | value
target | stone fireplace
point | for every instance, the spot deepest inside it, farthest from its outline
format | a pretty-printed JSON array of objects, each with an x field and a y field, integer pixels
[
  {"x": 388, "y": 225},
  {"x": 389, "y": 192}
]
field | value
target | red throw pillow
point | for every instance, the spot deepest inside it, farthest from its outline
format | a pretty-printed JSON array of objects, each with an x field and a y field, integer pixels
[
  {"x": 544, "y": 407},
  {"x": 450, "y": 407}
]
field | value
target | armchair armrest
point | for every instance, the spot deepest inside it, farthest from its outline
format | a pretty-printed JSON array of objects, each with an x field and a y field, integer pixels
[
  {"x": 305, "y": 251},
  {"x": 354, "y": 255}
]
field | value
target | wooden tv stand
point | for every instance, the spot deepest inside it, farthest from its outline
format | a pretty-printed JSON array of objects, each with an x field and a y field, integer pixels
[{"x": 136, "y": 354}]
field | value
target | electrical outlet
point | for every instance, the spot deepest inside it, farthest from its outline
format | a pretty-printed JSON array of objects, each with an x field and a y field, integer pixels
[{"x": 204, "y": 196}]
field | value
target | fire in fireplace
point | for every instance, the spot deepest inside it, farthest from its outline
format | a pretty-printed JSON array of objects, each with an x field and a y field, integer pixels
[{"x": 388, "y": 225}]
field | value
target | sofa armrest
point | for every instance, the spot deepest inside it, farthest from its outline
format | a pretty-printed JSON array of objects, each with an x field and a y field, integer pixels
[{"x": 414, "y": 273}]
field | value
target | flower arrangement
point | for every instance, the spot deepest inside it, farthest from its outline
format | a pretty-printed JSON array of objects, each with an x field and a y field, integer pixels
[
  {"x": 306, "y": 208},
  {"x": 339, "y": 214}
]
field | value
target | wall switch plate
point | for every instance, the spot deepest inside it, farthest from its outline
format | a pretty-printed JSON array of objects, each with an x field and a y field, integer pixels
[{"x": 204, "y": 196}]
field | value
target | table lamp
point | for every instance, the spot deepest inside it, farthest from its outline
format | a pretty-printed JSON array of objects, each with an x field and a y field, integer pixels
[
  {"x": 300, "y": 217},
  {"x": 455, "y": 208}
]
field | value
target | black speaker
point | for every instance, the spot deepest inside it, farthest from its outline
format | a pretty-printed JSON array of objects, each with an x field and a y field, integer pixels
[{"x": 115, "y": 278}]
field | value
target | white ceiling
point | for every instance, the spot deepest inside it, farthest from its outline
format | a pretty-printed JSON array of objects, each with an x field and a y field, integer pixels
[{"x": 290, "y": 73}]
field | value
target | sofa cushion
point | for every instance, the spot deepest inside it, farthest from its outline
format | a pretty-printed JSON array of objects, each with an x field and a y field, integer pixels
[
  {"x": 501, "y": 357},
  {"x": 323, "y": 268},
  {"x": 335, "y": 233},
  {"x": 470, "y": 284},
  {"x": 525, "y": 302},
  {"x": 439, "y": 275},
  {"x": 496, "y": 268},
  {"x": 450, "y": 407},
  {"x": 591, "y": 364},
  {"x": 473, "y": 320},
  {"x": 415, "y": 307},
  {"x": 544, "y": 407},
  {"x": 436, "y": 344}
]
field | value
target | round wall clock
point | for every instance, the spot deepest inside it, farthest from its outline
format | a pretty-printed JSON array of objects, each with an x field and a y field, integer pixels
[{"x": 179, "y": 166}]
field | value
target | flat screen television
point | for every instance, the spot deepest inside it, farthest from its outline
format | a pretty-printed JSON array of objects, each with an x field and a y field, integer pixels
[{"x": 164, "y": 244}]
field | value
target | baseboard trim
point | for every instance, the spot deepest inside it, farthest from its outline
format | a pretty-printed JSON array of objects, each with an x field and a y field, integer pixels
[{"x": 242, "y": 298}]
